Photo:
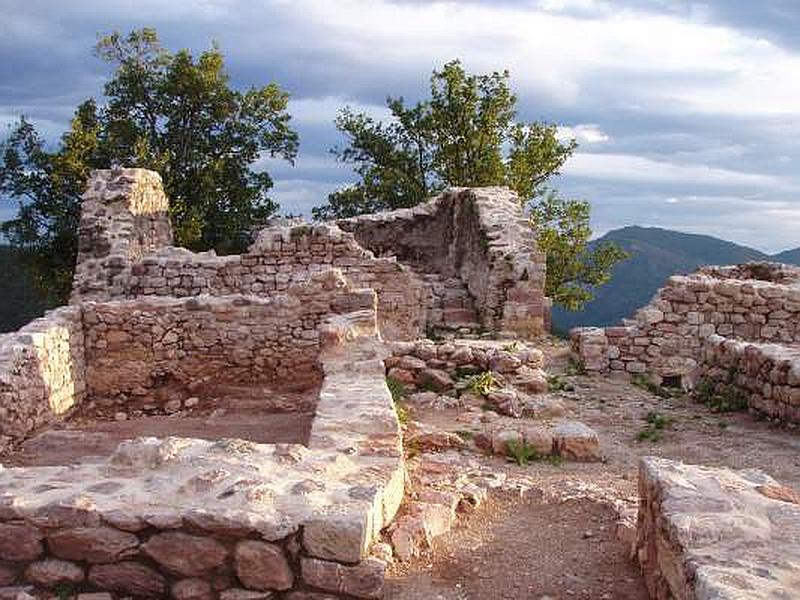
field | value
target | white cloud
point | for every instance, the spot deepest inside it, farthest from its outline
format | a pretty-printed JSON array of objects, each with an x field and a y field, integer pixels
[
  {"x": 584, "y": 134},
  {"x": 625, "y": 167}
]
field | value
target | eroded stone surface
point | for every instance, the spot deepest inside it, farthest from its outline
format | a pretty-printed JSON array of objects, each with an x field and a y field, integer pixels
[
  {"x": 184, "y": 554},
  {"x": 708, "y": 533}
]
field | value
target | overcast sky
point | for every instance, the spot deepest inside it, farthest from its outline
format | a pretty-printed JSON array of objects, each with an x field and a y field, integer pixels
[{"x": 687, "y": 113}]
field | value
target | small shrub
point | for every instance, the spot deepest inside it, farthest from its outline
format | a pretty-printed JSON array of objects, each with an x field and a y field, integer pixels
[
  {"x": 556, "y": 383},
  {"x": 722, "y": 398},
  {"x": 512, "y": 347},
  {"x": 655, "y": 424},
  {"x": 644, "y": 383},
  {"x": 465, "y": 434},
  {"x": 575, "y": 367},
  {"x": 521, "y": 452},
  {"x": 482, "y": 383}
]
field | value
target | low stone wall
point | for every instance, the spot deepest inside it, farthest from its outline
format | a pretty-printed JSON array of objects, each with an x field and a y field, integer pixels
[
  {"x": 768, "y": 375},
  {"x": 706, "y": 533},
  {"x": 41, "y": 372},
  {"x": 228, "y": 519},
  {"x": 479, "y": 235},
  {"x": 136, "y": 346},
  {"x": 665, "y": 338},
  {"x": 428, "y": 365}
]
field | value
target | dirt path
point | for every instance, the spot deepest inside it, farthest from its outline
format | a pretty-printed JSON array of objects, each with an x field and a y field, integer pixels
[{"x": 558, "y": 540}]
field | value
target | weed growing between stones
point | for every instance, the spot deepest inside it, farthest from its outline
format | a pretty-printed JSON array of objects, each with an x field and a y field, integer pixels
[
  {"x": 555, "y": 383},
  {"x": 720, "y": 398},
  {"x": 482, "y": 383},
  {"x": 398, "y": 392},
  {"x": 644, "y": 383},
  {"x": 655, "y": 424},
  {"x": 574, "y": 367},
  {"x": 521, "y": 452}
]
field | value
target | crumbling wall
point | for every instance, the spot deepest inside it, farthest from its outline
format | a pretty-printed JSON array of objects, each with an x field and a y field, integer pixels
[
  {"x": 736, "y": 325},
  {"x": 282, "y": 257},
  {"x": 135, "y": 346},
  {"x": 767, "y": 376},
  {"x": 665, "y": 337},
  {"x": 41, "y": 372},
  {"x": 479, "y": 235},
  {"x": 124, "y": 215}
]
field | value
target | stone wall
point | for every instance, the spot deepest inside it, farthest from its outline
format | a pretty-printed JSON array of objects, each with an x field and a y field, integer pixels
[
  {"x": 124, "y": 215},
  {"x": 135, "y": 346},
  {"x": 227, "y": 519},
  {"x": 481, "y": 237},
  {"x": 665, "y": 338},
  {"x": 706, "y": 533},
  {"x": 467, "y": 257},
  {"x": 41, "y": 372},
  {"x": 279, "y": 258},
  {"x": 767, "y": 375},
  {"x": 732, "y": 326}
]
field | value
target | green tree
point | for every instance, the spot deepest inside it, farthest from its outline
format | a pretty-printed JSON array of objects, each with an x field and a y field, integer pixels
[
  {"x": 573, "y": 268},
  {"x": 466, "y": 134},
  {"x": 169, "y": 112}
]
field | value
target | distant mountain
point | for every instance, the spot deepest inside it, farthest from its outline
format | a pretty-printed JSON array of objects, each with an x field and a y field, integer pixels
[
  {"x": 655, "y": 255},
  {"x": 19, "y": 300},
  {"x": 789, "y": 256}
]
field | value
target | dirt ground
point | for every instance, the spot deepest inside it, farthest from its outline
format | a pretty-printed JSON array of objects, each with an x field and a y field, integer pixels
[
  {"x": 260, "y": 413},
  {"x": 557, "y": 539}
]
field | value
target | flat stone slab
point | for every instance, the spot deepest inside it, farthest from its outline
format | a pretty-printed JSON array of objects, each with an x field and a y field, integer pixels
[{"x": 708, "y": 533}]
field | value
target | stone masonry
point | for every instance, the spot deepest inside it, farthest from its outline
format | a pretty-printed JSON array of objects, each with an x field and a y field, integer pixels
[
  {"x": 465, "y": 258},
  {"x": 476, "y": 240},
  {"x": 729, "y": 325},
  {"x": 228, "y": 519},
  {"x": 707, "y": 533}
]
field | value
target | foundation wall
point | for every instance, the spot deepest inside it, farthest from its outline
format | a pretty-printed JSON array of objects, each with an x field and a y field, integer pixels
[
  {"x": 706, "y": 533},
  {"x": 136, "y": 346}
]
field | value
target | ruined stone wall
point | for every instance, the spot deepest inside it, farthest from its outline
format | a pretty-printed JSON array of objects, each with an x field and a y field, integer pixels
[
  {"x": 766, "y": 375},
  {"x": 665, "y": 338},
  {"x": 478, "y": 235},
  {"x": 281, "y": 257},
  {"x": 124, "y": 215},
  {"x": 136, "y": 346},
  {"x": 41, "y": 372},
  {"x": 737, "y": 328}
]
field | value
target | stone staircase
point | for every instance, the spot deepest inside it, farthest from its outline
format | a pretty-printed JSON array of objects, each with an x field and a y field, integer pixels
[{"x": 451, "y": 308}]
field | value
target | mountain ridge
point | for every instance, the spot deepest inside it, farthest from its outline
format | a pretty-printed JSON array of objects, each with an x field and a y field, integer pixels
[{"x": 656, "y": 253}]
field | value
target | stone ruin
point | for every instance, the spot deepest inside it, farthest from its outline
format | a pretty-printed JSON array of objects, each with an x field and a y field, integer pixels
[
  {"x": 302, "y": 316},
  {"x": 291, "y": 498},
  {"x": 729, "y": 327},
  {"x": 703, "y": 532}
]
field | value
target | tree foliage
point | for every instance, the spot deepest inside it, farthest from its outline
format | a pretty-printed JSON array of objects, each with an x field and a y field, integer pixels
[
  {"x": 170, "y": 112},
  {"x": 466, "y": 134}
]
